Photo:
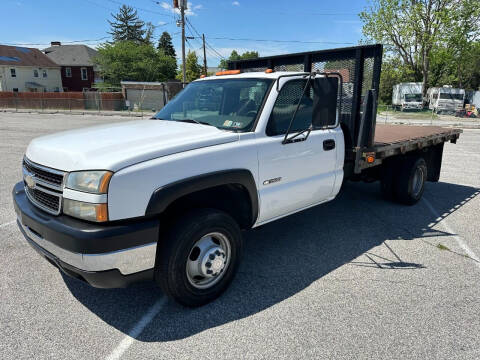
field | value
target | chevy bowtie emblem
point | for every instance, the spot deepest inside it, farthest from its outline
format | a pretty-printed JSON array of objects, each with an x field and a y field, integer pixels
[{"x": 30, "y": 181}]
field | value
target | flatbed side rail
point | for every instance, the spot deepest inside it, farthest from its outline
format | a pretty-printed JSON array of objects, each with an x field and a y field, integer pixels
[{"x": 383, "y": 151}]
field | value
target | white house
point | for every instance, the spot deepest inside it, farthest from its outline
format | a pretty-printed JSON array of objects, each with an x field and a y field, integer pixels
[{"x": 27, "y": 69}]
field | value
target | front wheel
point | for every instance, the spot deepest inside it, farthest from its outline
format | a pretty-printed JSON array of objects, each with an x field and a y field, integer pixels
[{"x": 199, "y": 257}]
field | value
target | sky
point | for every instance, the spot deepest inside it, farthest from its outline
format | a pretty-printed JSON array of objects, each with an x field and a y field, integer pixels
[{"x": 288, "y": 25}]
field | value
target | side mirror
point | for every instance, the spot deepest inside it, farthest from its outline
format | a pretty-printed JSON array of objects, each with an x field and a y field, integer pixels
[{"x": 325, "y": 101}]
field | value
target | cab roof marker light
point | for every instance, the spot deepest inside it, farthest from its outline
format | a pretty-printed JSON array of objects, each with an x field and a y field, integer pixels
[{"x": 228, "y": 72}]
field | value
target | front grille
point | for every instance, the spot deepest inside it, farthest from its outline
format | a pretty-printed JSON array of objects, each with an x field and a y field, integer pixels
[
  {"x": 48, "y": 176},
  {"x": 43, "y": 186},
  {"x": 44, "y": 200}
]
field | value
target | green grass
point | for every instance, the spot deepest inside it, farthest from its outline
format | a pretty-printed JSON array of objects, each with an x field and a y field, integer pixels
[
  {"x": 383, "y": 110},
  {"x": 442, "y": 247}
]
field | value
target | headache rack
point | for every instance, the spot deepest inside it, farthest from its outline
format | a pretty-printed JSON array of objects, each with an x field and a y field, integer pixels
[{"x": 360, "y": 68}]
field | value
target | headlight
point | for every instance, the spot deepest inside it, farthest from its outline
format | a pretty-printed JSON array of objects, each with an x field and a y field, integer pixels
[
  {"x": 95, "y": 182},
  {"x": 85, "y": 211}
]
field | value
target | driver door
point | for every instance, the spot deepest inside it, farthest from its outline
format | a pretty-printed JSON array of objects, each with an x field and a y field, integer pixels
[{"x": 300, "y": 174}]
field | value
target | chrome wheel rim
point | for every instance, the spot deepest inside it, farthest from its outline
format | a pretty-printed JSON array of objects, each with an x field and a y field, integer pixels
[
  {"x": 208, "y": 260},
  {"x": 417, "y": 182}
]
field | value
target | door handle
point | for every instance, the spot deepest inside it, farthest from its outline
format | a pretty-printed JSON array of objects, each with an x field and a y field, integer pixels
[{"x": 328, "y": 144}]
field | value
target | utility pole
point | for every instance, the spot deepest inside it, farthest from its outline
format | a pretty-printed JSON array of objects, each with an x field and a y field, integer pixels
[
  {"x": 183, "y": 5},
  {"x": 204, "y": 56}
]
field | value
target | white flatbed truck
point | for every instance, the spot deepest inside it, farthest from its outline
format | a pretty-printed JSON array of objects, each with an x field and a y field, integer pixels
[{"x": 167, "y": 199}]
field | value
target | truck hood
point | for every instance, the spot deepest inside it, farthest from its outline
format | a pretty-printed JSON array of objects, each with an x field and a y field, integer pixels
[{"x": 115, "y": 146}]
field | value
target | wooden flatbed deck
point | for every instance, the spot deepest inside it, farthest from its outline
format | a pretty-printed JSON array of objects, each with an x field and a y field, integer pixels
[
  {"x": 392, "y": 134},
  {"x": 393, "y": 140}
]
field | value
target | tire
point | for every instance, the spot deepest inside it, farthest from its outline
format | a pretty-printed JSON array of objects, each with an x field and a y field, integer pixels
[
  {"x": 183, "y": 257},
  {"x": 410, "y": 183}
]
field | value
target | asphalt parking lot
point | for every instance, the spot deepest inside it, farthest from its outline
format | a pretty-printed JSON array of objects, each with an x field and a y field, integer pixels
[{"x": 354, "y": 278}]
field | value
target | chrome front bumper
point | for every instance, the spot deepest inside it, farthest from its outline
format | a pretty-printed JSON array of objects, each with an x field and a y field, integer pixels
[
  {"x": 104, "y": 255},
  {"x": 127, "y": 261}
]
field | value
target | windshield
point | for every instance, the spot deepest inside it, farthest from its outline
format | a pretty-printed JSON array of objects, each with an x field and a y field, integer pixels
[
  {"x": 230, "y": 104},
  {"x": 413, "y": 97},
  {"x": 451, "y": 96}
]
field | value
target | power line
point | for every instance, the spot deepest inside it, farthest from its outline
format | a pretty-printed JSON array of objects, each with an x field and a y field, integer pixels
[
  {"x": 313, "y": 13},
  {"x": 279, "y": 41},
  {"x": 63, "y": 42},
  {"x": 188, "y": 22}
]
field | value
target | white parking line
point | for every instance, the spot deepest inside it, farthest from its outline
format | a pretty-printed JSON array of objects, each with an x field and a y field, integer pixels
[
  {"x": 441, "y": 220},
  {"x": 8, "y": 223},
  {"x": 137, "y": 329}
]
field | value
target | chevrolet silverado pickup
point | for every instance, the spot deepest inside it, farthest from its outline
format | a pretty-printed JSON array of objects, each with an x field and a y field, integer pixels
[{"x": 167, "y": 199}]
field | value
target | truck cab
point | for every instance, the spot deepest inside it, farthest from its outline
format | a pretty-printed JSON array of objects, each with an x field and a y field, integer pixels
[
  {"x": 94, "y": 201},
  {"x": 407, "y": 96}
]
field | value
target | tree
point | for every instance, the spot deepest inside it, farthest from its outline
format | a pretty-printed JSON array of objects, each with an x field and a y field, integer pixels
[
  {"x": 129, "y": 60},
  {"x": 412, "y": 29},
  {"x": 127, "y": 25},
  {"x": 393, "y": 72},
  {"x": 150, "y": 29},
  {"x": 192, "y": 68},
  {"x": 461, "y": 37},
  {"x": 165, "y": 43},
  {"x": 452, "y": 68},
  {"x": 235, "y": 56}
]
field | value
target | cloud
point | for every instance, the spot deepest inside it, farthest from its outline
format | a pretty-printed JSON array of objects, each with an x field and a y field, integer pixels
[
  {"x": 235, "y": 3},
  {"x": 161, "y": 23},
  {"x": 189, "y": 11}
]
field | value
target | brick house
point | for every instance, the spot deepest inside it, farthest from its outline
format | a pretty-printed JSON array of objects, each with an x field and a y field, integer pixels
[{"x": 76, "y": 61}]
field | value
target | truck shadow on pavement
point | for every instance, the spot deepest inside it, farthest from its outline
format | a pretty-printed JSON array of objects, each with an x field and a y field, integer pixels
[{"x": 284, "y": 257}]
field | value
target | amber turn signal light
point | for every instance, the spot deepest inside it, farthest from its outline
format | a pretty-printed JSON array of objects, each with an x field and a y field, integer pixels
[
  {"x": 103, "y": 188},
  {"x": 101, "y": 211}
]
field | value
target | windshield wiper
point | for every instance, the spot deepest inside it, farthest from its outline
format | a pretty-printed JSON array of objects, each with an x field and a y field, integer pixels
[{"x": 194, "y": 121}]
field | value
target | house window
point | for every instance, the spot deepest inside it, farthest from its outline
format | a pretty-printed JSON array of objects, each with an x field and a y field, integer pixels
[
  {"x": 15, "y": 89},
  {"x": 44, "y": 73},
  {"x": 13, "y": 73},
  {"x": 68, "y": 72},
  {"x": 84, "y": 73},
  {"x": 56, "y": 89},
  {"x": 35, "y": 73}
]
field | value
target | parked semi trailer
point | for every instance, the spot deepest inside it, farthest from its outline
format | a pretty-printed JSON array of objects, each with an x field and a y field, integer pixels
[
  {"x": 167, "y": 199},
  {"x": 407, "y": 96},
  {"x": 445, "y": 99}
]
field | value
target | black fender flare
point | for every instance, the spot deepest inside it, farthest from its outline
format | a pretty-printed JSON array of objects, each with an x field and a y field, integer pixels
[{"x": 167, "y": 194}]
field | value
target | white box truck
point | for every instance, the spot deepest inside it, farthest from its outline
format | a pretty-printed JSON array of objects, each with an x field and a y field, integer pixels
[
  {"x": 407, "y": 96},
  {"x": 445, "y": 99}
]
